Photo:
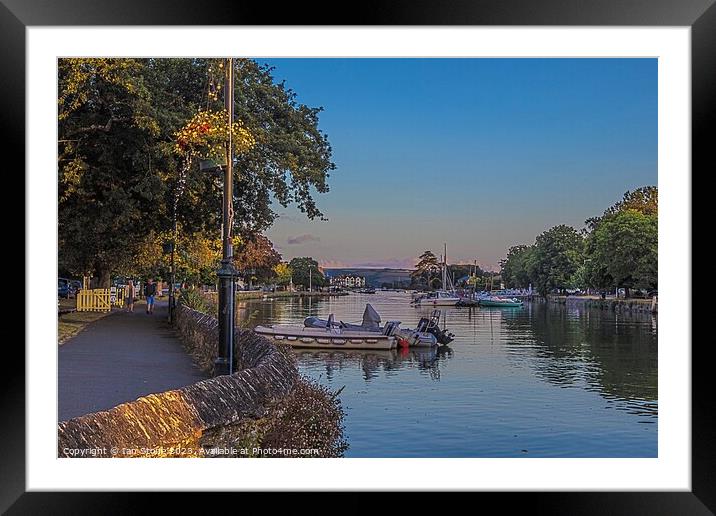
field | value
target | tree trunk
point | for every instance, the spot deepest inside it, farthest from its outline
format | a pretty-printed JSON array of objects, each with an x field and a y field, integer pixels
[{"x": 104, "y": 277}]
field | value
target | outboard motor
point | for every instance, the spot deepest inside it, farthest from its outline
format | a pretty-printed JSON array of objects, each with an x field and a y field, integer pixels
[{"x": 432, "y": 325}]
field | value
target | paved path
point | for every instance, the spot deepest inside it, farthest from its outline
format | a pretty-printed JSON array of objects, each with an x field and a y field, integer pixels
[{"x": 119, "y": 358}]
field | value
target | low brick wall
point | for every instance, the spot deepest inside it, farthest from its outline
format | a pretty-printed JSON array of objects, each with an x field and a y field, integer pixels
[{"x": 177, "y": 418}]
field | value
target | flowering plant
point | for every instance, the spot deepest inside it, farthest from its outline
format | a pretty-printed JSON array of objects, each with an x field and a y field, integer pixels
[{"x": 205, "y": 135}]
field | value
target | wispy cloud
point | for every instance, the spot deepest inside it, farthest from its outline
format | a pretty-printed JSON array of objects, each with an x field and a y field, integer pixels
[{"x": 301, "y": 239}]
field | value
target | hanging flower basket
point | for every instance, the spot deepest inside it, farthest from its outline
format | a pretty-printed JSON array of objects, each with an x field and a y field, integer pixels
[{"x": 204, "y": 137}]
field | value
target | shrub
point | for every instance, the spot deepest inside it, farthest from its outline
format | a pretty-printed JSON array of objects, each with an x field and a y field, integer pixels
[
  {"x": 310, "y": 417},
  {"x": 193, "y": 298}
]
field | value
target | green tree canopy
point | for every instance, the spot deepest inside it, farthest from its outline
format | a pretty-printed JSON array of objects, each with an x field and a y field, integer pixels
[
  {"x": 118, "y": 175},
  {"x": 514, "y": 268},
  {"x": 624, "y": 249},
  {"x": 643, "y": 200},
  {"x": 300, "y": 268},
  {"x": 555, "y": 258},
  {"x": 283, "y": 273}
]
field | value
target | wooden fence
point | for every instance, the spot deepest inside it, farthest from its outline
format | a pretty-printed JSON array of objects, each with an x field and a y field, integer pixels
[{"x": 99, "y": 299}]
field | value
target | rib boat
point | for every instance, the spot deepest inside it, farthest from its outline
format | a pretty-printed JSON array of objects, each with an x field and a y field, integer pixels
[{"x": 328, "y": 333}]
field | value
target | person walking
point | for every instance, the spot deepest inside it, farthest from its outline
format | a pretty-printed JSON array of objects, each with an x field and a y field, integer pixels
[
  {"x": 131, "y": 294},
  {"x": 150, "y": 290}
]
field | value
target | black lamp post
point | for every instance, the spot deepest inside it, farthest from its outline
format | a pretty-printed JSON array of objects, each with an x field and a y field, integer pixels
[{"x": 226, "y": 273}]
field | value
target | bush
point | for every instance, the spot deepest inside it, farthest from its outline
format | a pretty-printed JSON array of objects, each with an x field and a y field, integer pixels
[
  {"x": 310, "y": 417},
  {"x": 193, "y": 298}
]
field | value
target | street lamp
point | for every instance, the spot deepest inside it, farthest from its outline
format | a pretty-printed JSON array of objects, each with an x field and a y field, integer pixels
[{"x": 226, "y": 273}]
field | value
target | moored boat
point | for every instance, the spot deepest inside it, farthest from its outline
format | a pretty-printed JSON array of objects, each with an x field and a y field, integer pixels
[
  {"x": 305, "y": 337},
  {"x": 499, "y": 302},
  {"x": 327, "y": 333}
]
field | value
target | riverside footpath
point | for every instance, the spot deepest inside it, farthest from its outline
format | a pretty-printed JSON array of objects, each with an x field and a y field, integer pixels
[{"x": 119, "y": 358}]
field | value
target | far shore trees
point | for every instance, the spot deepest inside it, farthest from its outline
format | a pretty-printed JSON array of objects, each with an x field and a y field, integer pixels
[
  {"x": 426, "y": 270},
  {"x": 283, "y": 274},
  {"x": 618, "y": 249},
  {"x": 305, "y": 272},
  {"x": 624, "y": 251},
  {"x": 256, "y": 258},
  {"x": 514, "y": 270},
  {"x": 555, "y": 257}
]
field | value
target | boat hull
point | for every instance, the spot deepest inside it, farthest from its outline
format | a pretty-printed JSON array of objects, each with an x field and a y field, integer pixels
[
  {"x": 302, "y": 337},
  {"x": 500, "y": 304}
]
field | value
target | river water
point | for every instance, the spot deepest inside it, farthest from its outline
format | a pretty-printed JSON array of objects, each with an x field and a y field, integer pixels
[{"x": 543, "y": 380}]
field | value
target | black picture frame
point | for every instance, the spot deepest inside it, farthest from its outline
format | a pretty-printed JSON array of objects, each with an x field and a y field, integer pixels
[{"x": 700, "y": 15}]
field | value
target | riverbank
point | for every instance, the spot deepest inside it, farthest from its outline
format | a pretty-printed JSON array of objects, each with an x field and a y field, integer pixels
[
  {"x": 264, "y": 409},
  {"x": 613, "y": 304}
]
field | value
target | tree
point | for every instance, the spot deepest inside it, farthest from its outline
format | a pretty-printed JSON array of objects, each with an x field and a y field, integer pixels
[
  {"x": 426, "y": 269},
  {"x": 599, "y": 268},
  {"x": 556, "y": 255},
  {"x": 643, "y": 200},
  {"x": 283, "y": 273},
  {"x": 108, "y": 191},
  {"x": 196, "y": 258},
  {"x": 257, "y": 258},
  {"x": 625, "y": 247},
  {"x": 303, "y": 268},
  {"x": 119, "y": 174},
  {"x": 513, "y": 268}
]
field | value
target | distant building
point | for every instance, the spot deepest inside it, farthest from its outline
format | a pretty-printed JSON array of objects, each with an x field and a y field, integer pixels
[{"x": 347, "y": 281}]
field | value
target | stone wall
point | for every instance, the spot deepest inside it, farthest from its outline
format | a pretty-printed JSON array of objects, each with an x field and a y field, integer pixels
[
  {"x": 177, "y": 418},
  {"x": 616, "y": 305}
]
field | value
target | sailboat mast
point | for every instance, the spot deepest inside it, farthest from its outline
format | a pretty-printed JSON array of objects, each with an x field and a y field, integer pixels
[{"x": 445, "y": 267}]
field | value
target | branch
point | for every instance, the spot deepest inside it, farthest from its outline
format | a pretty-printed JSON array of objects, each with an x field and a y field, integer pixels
[{"x": 97, "y": 127}]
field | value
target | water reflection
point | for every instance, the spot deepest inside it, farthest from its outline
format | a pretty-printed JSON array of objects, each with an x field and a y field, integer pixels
[
  {"x": 565, "y": 381},
  {"x": 374, "y": 362},
  {"x": 610, "y": 353}
]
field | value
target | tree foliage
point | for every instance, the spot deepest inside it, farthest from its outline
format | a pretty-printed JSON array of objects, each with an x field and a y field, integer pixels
[
  {"x": 624, "y": 250},
  {"x": 257, "y": 258},
  {"x": 618, "y": 250},
  {"x": 643, "y": 200},
  {"x": 555, "y": 257},
  {"x": 196, "y": 258},
  {"x": 119, "y": 175},
  {"x": 283, "y": 273},
  {"x": 426, "y": 269},
  {"x": 514, "y": 268},
  {"x": 306, "y": 272},
  {"x": 106, "y": 185}
]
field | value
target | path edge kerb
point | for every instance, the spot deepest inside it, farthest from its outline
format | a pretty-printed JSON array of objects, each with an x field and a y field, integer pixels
[{"x": 178, "y": 416}]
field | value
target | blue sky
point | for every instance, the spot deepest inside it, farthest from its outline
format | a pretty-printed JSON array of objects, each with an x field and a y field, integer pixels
[{"x": 479, "y": 153}]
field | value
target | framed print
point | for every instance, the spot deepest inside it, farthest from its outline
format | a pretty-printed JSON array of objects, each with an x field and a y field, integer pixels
[{"x": 424, "y": 275}]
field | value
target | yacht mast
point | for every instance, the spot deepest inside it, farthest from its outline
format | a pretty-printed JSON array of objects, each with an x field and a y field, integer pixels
[{"x": 445, "y": 267}]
